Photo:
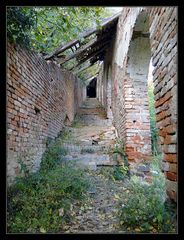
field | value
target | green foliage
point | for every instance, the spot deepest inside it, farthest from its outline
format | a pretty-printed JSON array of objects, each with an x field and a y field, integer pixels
[
  {"x": 120, "y": 172},
  {"x": 23, "y": 168},
  {"x": 41, "y": 202},
  {"x": 52, "y": 157},
  {"x": 154, "y": 130},
  {"x": 20, "y": 20},
  {"x": 145, "y": 208},
  {"x": 119, "y": 148},
  {"x": 44, "y": 28}
]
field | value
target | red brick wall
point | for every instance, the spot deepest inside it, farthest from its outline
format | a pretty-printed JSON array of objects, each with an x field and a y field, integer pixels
[
  {"x": 163, "y": 46},
  {"x": 129, "y": 75},
  {"x": 39, "y": 97},
  {"x": 163, "y": 38}
]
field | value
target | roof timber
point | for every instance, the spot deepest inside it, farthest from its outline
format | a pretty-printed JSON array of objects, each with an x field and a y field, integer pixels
[
  {"x": 85, "y": 34},
  {"x": 93, "y": 54},
  {"x": 85, "y": 48},
  {"x": 84, "y": 68},
  {"x": 79, "y": 51}
]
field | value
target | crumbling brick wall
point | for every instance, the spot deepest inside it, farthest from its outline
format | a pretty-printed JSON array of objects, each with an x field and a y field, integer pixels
[
  {"x": 129, "y": 74},
  {"x": 40, "y": 100},
  {"x": 128, "y": 95},
  {"x": 163, "y": 38},
  {"x": 142, "y": 34}
]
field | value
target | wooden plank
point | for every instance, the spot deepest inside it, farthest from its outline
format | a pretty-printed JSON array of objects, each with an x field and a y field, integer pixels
[
  {"x": 83, "y": 69},
  {"x": 90, "y": 56},
  {"x": 79, "y": 51},
  {"x": 96, "y": 48},
  {"x": 85, "y": 34}
]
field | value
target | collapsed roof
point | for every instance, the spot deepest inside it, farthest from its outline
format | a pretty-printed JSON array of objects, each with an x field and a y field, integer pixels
[{"x": 90, "y": 46}]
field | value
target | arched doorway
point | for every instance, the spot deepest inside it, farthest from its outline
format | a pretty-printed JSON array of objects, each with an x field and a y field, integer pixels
[{"x": 91, "y": 89}]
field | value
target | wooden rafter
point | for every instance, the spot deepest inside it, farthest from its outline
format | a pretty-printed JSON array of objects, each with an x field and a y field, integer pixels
[
  {"x": 84, "y": 68},
  {"x": 85, "y": 34},
  {"x": 79, "y": 51},
  {"x": 93, "y": 54},
  {"x": 95, "y": 49}
]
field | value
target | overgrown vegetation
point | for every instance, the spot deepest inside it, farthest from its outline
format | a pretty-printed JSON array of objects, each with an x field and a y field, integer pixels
[
  {"x": 121, "y": 171},
  {"x": 44, "y": 28},
  {"x": 154, "y": 130},
  {"x": 144, "y": 207},
  {"x": 42, "y": 201}
]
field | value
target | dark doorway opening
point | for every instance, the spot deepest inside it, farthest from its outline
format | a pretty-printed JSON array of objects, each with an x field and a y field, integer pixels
[{"x": 91, "y": 89}]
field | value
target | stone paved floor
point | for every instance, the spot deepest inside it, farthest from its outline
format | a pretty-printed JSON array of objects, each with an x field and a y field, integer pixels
[
  {"x": 93, "y": 136},
  {"x": 91, "y": 139}
]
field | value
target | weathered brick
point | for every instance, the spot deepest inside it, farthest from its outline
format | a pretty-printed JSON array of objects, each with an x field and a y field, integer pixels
[
  {"x": 170, "y": 157},
  {"x": 173, "y": 167},
  {"x": 171, "y": 176},
  {"x": 170, "y": 148},
  {"x": 28, "y": 87},
  {"x": 171, "y": 128},
  {"x": 170, "y": 139}
]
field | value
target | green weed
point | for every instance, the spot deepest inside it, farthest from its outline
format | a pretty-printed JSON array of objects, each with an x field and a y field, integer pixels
[
  {"x": 41, "y": 201},
  {"x": 146, "y": 208},
  {"x": 119, "y": 172}
]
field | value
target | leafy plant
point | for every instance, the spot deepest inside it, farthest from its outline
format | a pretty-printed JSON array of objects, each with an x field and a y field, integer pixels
[
  {"x": 23, "y": 168},
  {"x": 52, "y": 157},
  {"x": 35, "y": 203},
  {"x": 41, "y": 201},
  {"x": 145, "y": 208},
  {"x": 44, "y": 28},
  {"x": 119, "y": 148},
  {"x": 120, "y": 172},
  {"x": 20, "y": 21}
]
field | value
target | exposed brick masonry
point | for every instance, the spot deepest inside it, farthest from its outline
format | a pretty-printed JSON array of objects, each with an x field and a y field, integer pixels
[
  {"x": 129, "y": 64},
  {"x": 40, "y": 98}
]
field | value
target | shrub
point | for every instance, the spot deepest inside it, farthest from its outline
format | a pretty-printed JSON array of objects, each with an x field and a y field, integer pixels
[
  {"x": 119, "y": 172},
  {"x": 34, "y": 202},
  {"x": 52, "y": 157},
  {"x": 41, "y": 201},
  {"x": 145, "y": 207}
]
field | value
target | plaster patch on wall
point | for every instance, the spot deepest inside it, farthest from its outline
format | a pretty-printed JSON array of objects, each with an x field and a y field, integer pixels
[{"x": 123, "y": 43}]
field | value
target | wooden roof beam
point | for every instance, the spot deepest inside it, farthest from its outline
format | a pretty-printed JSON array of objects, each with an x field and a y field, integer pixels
[
  {"x": 90, "y": 56},
  {"x": 84, "y": 68},
  {"x": 79, "y": 51},
  {"x": 85, "y": 34}
]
